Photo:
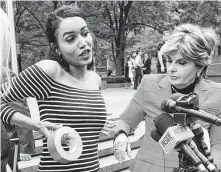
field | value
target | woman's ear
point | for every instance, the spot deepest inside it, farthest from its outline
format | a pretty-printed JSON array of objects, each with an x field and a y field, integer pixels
[
  {"x": 53, "y": 46},
  {"x": 199, "y": 71},
  {"x": 57, "y": 49}
]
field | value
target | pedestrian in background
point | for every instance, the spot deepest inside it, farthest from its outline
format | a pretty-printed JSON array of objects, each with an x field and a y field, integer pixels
[
  {"x": 146, "y": 64},
  {"x": 138, "y": 64},
  {"x": 161, "y": 61},
  {"x": 126, "y": 73}
]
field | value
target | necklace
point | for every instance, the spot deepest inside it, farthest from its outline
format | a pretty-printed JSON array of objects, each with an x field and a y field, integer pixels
[
  {"x": 189, "y": 89},
  {"x": 174, "y": 89}
]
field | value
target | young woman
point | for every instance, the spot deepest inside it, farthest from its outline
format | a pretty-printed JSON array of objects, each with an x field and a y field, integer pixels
[{"x": 67, "y": 92}]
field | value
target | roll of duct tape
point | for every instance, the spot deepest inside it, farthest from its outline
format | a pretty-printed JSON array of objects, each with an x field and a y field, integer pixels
[{"x": 55, "y": 146}]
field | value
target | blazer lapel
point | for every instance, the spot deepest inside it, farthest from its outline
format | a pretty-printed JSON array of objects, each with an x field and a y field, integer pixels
[
  {"x": 164, "y": 89},
  {"x": 202, "y": 89}
]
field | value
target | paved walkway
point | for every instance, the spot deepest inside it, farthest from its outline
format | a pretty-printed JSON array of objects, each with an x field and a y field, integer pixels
[{"x": 116, "y": 100}]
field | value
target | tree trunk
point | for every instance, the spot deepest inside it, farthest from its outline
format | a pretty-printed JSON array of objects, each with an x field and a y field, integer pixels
[
  {"x": 119, "y": 67},
  {"x": 119, "y": 62},
  {"x": 121, "y": 37}
]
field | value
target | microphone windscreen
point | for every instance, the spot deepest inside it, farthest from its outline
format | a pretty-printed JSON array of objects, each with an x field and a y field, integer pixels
[
  {"x": 162, "y": 122},
  {"x": 155, "y": 135},
  {"x": 164, "y": 106},
  {"x": 175, "y": 96},
  {"x": 168, "y": 105}
]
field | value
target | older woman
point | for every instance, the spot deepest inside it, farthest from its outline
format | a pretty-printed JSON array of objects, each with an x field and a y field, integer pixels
[
  {"x": 67, "y": 92},
  {"x": 188, "y": 52}
]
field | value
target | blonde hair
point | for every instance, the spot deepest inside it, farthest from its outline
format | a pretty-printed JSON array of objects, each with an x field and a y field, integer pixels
[
  {"x": 211, "y": 39},
  {"x": 5, "y": 43},
  {"x": 192, "y": 42}
]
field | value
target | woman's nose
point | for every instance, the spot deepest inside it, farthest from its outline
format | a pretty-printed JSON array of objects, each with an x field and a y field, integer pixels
[
  {"x": 171, "y": 67},
  {"x": 81, "y": 42}
]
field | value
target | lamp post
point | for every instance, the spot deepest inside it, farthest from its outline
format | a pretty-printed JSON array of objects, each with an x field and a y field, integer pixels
[{"x": 14, "y": 61}]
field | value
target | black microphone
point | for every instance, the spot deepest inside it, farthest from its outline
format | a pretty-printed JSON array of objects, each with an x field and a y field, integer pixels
[
  {"x": 172, "y": 101},
  {"x": 162, "y": 122},
  {"x": 155, "y": 135},
  {"x": 171, "y": 107},
  {"x": 175, "y": 137},
  {"x": 176, "y": 96},
  {"x": 171, "y": 134},
  {"x": 211, "y": 167}
]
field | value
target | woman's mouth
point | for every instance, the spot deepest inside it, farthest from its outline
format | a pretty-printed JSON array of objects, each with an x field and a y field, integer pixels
[
  {"x": 85, "y": 52},
  {"x": 173, "y": 77}
]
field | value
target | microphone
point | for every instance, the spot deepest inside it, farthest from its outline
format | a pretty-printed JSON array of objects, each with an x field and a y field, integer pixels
[
  {"x": 155, "y": 135},
  {"x": 172, "y": 101},
  {"x": 175, "y": 137},
  {"x": 172, "y": 134},
  {"x": 176, "y": 96},
  {"x": 204, "y": 160},
  {"x": 171, "y": 106}
]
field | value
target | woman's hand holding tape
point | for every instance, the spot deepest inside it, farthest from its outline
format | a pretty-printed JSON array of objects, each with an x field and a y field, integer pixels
[
  {"x": 46, "y": 128},
  {"x": 57, "y": 135},
  {"x": 70, "y": 139},
  {"x": 67, "y": 136}
]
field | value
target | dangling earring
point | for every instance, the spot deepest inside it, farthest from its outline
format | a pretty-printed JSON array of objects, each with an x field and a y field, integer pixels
[
  {"x": 60, "y": 57},
  {"x": 51, "y": 45},
  {"x": 56, "y": 51},
  {"x": 198, "y": 77}
]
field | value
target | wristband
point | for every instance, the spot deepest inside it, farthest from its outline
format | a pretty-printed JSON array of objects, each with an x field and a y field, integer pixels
[{"x": 119, "y": 132}]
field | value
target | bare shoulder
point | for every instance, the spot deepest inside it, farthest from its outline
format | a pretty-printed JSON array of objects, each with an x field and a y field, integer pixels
[
  {"x": 96, "y": 77},
  {"x": 50, "y": 67}
]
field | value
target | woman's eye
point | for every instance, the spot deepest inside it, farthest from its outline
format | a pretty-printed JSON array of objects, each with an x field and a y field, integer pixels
[
  {"x": 168, "y": 60},
  {"x": 70, "y": 39},
  {"x": 182, "y": 62},
  {"x": 85, "y": 33}
]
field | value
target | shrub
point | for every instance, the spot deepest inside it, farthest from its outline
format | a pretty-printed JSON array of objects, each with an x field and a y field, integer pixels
[{"x": 114, "y": 79}]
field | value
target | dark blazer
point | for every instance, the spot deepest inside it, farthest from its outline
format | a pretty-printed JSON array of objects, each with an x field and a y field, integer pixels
[
  {"x": 147, "y": 65},
  {"x": 146, "y": 104}
]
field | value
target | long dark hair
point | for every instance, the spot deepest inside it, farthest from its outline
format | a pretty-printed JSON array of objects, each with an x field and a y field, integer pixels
[{"x": 53, "y": 21}]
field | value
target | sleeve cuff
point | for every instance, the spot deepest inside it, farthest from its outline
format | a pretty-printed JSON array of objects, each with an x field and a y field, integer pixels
[{"x": 7, "y": 117}]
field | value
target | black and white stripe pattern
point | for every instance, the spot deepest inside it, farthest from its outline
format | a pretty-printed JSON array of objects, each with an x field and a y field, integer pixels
[{"x": 83, "y": 110}]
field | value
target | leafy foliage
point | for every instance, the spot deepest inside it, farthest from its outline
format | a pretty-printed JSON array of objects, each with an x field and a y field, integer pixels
[
  {"x": 115, "y": 79},
  {"x": 30, "y": 18},
  {"x": 118, "y": 26}
]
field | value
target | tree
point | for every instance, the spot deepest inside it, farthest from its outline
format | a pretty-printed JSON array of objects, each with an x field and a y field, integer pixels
[
  {"x": 30, "y": 18},
  {"x": 112, "y": 18},
  {"x": 203, "y": 13},
  {"x": 118, "y": 18},
  {"x": 116, "y": 24}
]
